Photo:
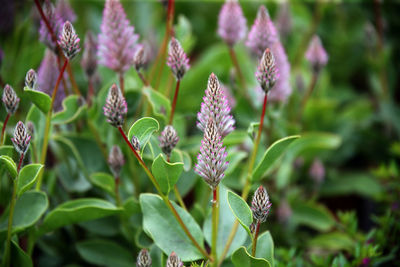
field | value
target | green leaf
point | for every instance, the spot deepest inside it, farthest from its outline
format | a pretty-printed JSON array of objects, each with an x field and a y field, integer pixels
[
  {"x": 73, "y": 107},
  {"x": 9, "y": 164},
  {"x": 160, "y": 104},
  {"x": 226, "y": 220},
  {"x": 265, "y": 247},
  {"x": 143, "y": 129},
  {"x": 19, "y": 257},
  {"x": 164, "y": 229},
  {"x": 242, "y": 258},
  {"x": 271, "y": 155},
  {"x": 315, "y": 141},
  {"x": 166, "y": 174},
  {"x": 241, "y": 210},
  {"x": 334, "y": 241},
  {"x": 75, "y": 211},
  {"x": 105, "y": 181},
  {"x": 313, "y": 215},
  {"x": 6, "y": 150},
  {"x": 105, "y": 253},
  {"x": 27, "y": 177},
  {"x": 39, "y": 99},
  {"x": 29, "y": 207}
]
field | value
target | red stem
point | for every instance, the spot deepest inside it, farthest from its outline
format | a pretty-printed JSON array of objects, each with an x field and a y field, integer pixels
[
  {"x": 132, "y": 148},
  {"x": 171, "y": 117},
  {"x": 237, "y": 66},
  {"x": 53, "y": 97},
  {"x": 215, "y": 196},
  {"x": 121, "y": 83},
  {"x": 4, "y": 128},
  {"x": 262, "y": 115},
  {"x": 255, "y": 239},
  {"x": 53, "y": 36},
  {"x": 20, "y": 162},
  {"x": 141, "y": 76}
]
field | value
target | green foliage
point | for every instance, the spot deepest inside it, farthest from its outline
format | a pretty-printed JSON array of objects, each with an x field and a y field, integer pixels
[
  {"x": 73, "y": 108},
  {"x": 241, "y": 210},
  {"x": 39, "y": 99},
  {"x": 9, "y": 164},
  {"x": 166, "y": 174},
  {"x": 143, "y": 130},
  {"x": 27, "y": 177}
]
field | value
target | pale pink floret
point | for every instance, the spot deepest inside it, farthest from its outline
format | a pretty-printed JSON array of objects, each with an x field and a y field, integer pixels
[
  {"x": 117, "y": 41},
  {"x": 177, "y": 59},
  {"x": 231, "y": 22},
  {"x": 316, "y": 54}
]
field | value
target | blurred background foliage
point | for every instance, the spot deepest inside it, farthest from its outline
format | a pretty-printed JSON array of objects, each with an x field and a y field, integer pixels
[{"x": 349, "y": 217}]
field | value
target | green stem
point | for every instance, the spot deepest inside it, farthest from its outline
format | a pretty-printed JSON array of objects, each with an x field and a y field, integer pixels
[
  {"x": 214, "y": 233},
  {"x": 179, "y": 198},
  {"x": 253, "y": 251},
  {"x": 6, "y": 259},
  {"x": 163, "y": 196},
  {"x": 48, "y": 123},
  {"x": 171, "y": 116},
  {"x": 4, "y": 129},
  {"x": 237, "y": 67}
]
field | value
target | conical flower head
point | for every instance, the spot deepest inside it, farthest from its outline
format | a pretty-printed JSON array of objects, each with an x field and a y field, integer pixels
[
  {"x": 55, "y": 22},
  {"x": 267, "y": 73},
  {"x": 89, "y": 58},
  {"x": 135, "y": 143},
  {"x": 174, "y": 261},
  {"x": 177, "y": 59},
  {"x": 116, "y": 160},
  {"x": 31, "y": 79},
  {"x": 115, "y": 107},
  {"x": 231, "y": 22},
  {"x": 117, "y": 39},
  {"x": 21, "y": 138},
  {"x": 69, "y": 41},
  {"x": 282, "y": 89},
  {"x": 47, "y": 77},
  {"x": 143, "y": 259},
  {"x": 140, "y": 57},
  {"x": 260, "y": 205},
  {"x": 10, "y": 99},
  {"x": 316, "y": 54},
  {"x": 263, "y": 33},
  {"x": 215, "y": 106},
  {"x": 65, "y": 11},
  {"x": 168, "y": 140},
  {"x": 211, "y": 161}
]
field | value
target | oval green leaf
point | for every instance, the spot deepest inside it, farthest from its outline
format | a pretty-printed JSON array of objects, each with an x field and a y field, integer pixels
[
  {"x": 265, "y": 247},
  {"x": 9, "y": 164},
  {"x": 271, "y": 155},
  {"x": 313, "y": 215},
  {"x": 6, "y": 150},
  {"x": 73, "y": 107},
  {"x": 164, "y": 229},
  {"x": 166, "y": 174},
  {"x": 241, "y": 210},
  {"x": 75, "y": 211},
  {"x": 19, "y": 257},
  {"x": 105, "y": 181},
  {"x": 143, "y": 129},
  {"x": 160, "y": 105},
  {"x": 241, "y": 257},
  {"x": 27, "y": 177},
  {"x": 39, "y": 99}
]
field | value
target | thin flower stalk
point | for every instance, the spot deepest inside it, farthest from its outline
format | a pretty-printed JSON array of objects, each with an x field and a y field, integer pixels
[
  {"x": 214, "y": 230},
  {"x": 260, "y": 207}
]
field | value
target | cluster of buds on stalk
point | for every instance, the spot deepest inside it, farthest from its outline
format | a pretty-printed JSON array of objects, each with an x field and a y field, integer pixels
[
  {"x": 174, "y": 261},
  {"x": 316, "y": 54},
  {"x": 267, "y": 73},
  {"x": 177, "y": 59},
  {"x": 140, "y": 57},
  {"x": 231, "y": 23},
  {"x": 69, "y": 41},
  {"x": 260, "y": 205},
  {"x": 168, "y": 140},
  {"x": 115, "y": 107},
  {"x": 10, "y": 99},
  {"x": 116, "y": 160},
  {"x": 143, "y": 259},
  {"x": 21, "y": 138},
  {"x": 31, "y": 79},
  {"x": 135, "y": 143}
]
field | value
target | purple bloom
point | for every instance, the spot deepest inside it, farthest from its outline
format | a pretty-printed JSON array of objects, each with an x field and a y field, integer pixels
[
  {"x": 69, "y": 41},
  {"x": 55, "y": 22},
  {"x": 316, "y": 54},
  {"x": 143, "y": 259},
  {"x": 168, "y": 140},
  {"x": 116, "y": 160},
  {"x": 215, "y": 106},
  {"x": 211, "y": 161},
  {"x": 231, "y": 22},
  {"x": 31, "y": 79},
  {"x": 115, "y": 107},
  {"x": 263, "y": 33},
  {"x": 317, "y": 171},
  {"x": 89, "y": 58},
  {"x": 260, "y": 205},
  {"x": 267, "y": 73},
  {"x": 21, "y": 138},
  {"x": 117, "y": 39},
  {"x": 47, "y": 77},
  {"x": 10, "y": 99},
  {"x": 65, "y": 11},
  {"x": 177, "y": 59},
  {"x": 174, "y": 261}
]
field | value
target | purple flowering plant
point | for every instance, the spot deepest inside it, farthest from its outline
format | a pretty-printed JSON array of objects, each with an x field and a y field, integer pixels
[{"x": 170, "y": 133}]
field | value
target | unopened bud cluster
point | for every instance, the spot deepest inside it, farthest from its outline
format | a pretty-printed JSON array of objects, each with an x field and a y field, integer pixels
[
  {"x": 267, "y": 73},
  {"x": 135, "y": 143},
  {"x": 115, "y": 107},
  {"x": 69, "y": 41},
  {"x": 260, "y": 205},
  {"x": 10, "y": 99},
  {"x": 168, "y": 140},
  {"x": 116, "y": 160},
  {"x": 143, "y": 259},
  {"x": 177, "y": 59},
  {"x": 21, "y": 138},
  {"x": 31, "y": 79},
  {"x": 174, "y": 261}
]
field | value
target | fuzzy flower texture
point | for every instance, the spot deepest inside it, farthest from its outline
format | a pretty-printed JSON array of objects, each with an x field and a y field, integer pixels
[
  {"x": 211, "y": 161},
  {"x": 69, "y": 41},
  {"x": 21, "y": 138},
  {"x": 168, "y": 140},
  {"x": 215, "y": 106},
  {"x": 31, "y": 79},
  {"x": 174, "y": 261},
  {"x": 267, "y": 74},
  {"x": 10, "y": 99},
  {"x": 115, "y": 107},
  {"x": 143, "y": 259},
  {"x": 117, "y": 40},
  {"x": 231, "y": 23},
  {"x": 316, "y": 54},
  {"x": 260, "y": 205},
  {"x": 177, "y": 59}
]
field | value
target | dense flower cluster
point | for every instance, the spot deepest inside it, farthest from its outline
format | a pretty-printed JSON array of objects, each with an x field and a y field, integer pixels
[
  {"x": 143, "y": 259},
  {"x": 69, "y": 41},
  {"x": 168, "y": 139},
  {"x": 316, "y": 54},
  {"x": 177, "y": 59},
  {"x": 21, "y": 138},
  {"x": 260, "y": 205},
  {"x": 231, "y": 23},
  {"x": 174, "y": 261},
  {"x": 31, "y": 79},
  {"x": 267, "y": 74},
  {"x": 115, "y": 107},
  {"x": 10, "y": 99}
]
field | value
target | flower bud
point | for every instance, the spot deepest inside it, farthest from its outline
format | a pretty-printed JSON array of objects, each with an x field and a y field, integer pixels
[
  {"x": 31, "y": 79},
  {"x": 168, "y": 140},
  {"x": 10, "y": 99},
  {"x": 69, "y": 41},
  {"x": 316, "y": 54},
  {"x": 140, "y": 58},
  {"x": 116, "y": 160},
  {"x": 260, "y": 205},
  {"x": 115, "y": 107},
  {"x": 177, "y": 59},
  {"x": 267, "y": 73},
  {"x": 21, "y": 138},
  {"x": 143, "y": 259},
  {"x": 135, "y": 143},
  {"x": 31, "y": 129},
  {"x": 174, "y": 261}
]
